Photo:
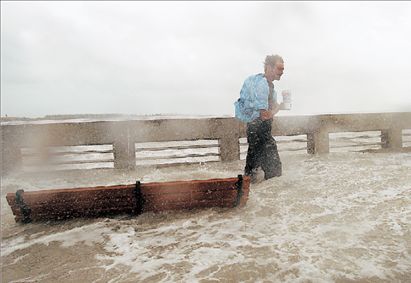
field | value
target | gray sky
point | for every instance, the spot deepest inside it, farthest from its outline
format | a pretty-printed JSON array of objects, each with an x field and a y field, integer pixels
[{"x": 192, "y": 57}]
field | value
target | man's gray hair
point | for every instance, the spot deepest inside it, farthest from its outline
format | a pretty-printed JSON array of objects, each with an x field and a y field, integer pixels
[{"x": 271, "y": 60}]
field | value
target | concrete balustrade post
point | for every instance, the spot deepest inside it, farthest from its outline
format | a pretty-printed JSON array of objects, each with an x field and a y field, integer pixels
[
  {"x": 124, "y": 154},
  {"x": 318, "y": 142},
  {"x": 229, "y": 140},
  {"x": 123, "y": 148},
  {"x": 229, "y": 148},
  {"x": 391, "y": 138}
]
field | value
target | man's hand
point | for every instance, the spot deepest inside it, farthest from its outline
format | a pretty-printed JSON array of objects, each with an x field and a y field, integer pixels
[
  {"x": 266, "y": 114},
  {"x": 269, "y": 114}
]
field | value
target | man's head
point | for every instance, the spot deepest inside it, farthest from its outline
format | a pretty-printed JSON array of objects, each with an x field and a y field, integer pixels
[{"x": 273, "y": 67}]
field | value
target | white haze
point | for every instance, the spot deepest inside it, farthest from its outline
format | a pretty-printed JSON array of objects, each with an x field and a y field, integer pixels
[{"x": 191, "y": 58}]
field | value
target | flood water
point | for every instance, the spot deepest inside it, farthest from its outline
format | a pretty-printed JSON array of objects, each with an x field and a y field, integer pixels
[{"x": 341, "y": 217}]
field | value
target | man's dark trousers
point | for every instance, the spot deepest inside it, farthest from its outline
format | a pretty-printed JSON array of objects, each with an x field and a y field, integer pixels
[{"x": 262, "y": 149}]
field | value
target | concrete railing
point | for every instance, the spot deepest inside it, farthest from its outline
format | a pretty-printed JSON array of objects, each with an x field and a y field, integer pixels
[{"x": 123, "y": 135}]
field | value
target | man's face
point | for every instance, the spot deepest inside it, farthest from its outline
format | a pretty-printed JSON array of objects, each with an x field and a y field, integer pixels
[
  {"x": 275, "y": 72},
  {"x": 278, "y": 70}
]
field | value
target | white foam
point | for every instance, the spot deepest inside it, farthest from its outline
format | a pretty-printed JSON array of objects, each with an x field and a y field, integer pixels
[{"x": 88, "y": 235}]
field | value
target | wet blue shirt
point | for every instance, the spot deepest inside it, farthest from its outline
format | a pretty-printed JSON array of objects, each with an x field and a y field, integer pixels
[{"x": 253, "y": 97}]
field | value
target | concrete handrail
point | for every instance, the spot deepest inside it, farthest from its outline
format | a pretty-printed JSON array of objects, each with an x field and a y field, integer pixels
[{"x": 124, "y": 134}]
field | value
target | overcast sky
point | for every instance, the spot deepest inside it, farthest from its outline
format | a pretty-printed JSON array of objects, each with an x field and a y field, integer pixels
[{"x": 192, "y": 57}]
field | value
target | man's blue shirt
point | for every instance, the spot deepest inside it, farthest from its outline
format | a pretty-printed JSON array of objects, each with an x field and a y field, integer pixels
[{"x": 253, "y": 97}]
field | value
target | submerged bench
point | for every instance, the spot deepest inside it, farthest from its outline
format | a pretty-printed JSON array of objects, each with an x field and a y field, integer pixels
[{"x": 133, "y": 199}]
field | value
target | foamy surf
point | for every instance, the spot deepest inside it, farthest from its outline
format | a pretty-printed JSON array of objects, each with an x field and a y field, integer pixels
[{"x": 333, "y": 218}]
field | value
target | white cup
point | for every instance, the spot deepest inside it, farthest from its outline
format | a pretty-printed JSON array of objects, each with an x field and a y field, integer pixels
[{"x": 286, "y": 99}]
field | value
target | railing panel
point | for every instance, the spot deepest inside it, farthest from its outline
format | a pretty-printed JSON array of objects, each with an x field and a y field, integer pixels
[{"x": 176, "y": 152}]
